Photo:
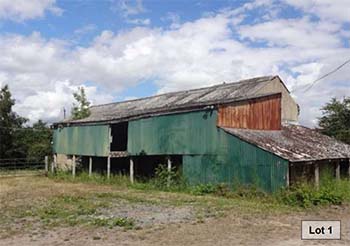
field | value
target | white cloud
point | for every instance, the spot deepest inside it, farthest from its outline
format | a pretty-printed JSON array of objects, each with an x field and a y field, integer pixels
[
  {"x": 128, "y": 7},
  {"x": 34, "y": 68},
  {"x": 85, "y": 29},
  {"x": 20, "y": 10},
  {"x": 301, "y": 33},
  {"x": 334, "y": 10},
  {"x": 49, "y": 105},
  {"x": 173, "y": 18},
  {"x": 206, "y": 51},
  {"x": 139, "y": 22}
]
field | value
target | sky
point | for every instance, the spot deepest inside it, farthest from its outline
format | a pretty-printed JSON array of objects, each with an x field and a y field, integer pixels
[{"x": 120, "y": 50}]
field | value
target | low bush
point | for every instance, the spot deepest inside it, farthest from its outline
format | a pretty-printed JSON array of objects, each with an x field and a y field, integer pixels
[
  {"x": 167, "y": 179},
  {"x": 330, "y": 192},
  {"x": 203, "y": 189}
]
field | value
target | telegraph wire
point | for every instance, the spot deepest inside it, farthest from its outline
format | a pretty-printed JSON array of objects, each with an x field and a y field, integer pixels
[{"x": 323, "y": 76}]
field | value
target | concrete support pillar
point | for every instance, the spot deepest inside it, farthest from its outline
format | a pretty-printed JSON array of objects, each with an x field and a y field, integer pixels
[
  {"x": 317, "y": 175},
  {"x": 337, "y": 170},
  {"x": 169, "y": 171},
  {"x": 131, "y": 170},
  {"x": 108, "y": 167},
  {"x": 74, "y": 164},
  {"x": 90, "y": 166}
]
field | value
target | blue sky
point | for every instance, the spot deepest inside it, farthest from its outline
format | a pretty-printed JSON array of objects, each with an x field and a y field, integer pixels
[{"x": 121, "y": 49}]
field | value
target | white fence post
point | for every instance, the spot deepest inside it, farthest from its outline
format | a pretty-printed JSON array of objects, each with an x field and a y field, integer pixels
[
  {"x": 108, "y": 167},
  {"x": 131, "y": 170},
  {"x": 74, "y": 166},
  {"x": 90, "y": 166},
  {"x": 169, "y": 172},
  {"x": 46, "y": 164}
]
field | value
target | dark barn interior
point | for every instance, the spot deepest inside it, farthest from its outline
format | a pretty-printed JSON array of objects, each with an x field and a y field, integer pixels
[
  {"x": 306, "y": 171},
  {"x": 119, "y": 136},
  {"x": 144, "y": 165}
]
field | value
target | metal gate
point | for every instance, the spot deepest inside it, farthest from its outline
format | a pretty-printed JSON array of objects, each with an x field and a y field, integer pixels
[{"x": 23, "y": 166}]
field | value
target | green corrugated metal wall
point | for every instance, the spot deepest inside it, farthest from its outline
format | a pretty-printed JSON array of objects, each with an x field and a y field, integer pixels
[
  {"x": 210, "y": 154},
  {"x": 82, "y": 140},
  {"x": 189, "y": 133}
]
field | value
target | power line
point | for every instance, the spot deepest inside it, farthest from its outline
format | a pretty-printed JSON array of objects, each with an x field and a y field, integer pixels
[{"x": 324, "y": 76}]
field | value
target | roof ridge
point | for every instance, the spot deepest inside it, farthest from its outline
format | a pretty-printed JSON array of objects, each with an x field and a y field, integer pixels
[{"x": 262, "y": 78}]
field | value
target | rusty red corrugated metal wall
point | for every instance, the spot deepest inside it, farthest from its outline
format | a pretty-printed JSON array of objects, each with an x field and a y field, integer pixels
[{"x": 261, "y": 114}]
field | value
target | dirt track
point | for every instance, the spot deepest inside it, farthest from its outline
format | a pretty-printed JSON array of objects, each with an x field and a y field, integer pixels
[{"x": 234, "y": 227}]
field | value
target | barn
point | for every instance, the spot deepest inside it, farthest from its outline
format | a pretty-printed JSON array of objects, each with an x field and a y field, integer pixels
[{"x": 245, "y": 132}]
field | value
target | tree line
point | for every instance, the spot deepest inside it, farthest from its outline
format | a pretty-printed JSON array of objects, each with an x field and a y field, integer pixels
[{"x": 19, "y": 140}]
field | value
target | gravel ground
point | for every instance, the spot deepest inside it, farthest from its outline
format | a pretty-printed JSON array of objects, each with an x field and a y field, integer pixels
[{"x": 149, "y": 214}]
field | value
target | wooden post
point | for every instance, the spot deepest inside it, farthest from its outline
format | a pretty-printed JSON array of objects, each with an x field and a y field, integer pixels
[
  {"x": 169, "y": 171},
  {"x": 131, "y": 170},
  {"x": 349, "y": 168},
  {"x": 108, "y": 167},
  {"x": 317, "y": 175},
  {"x": 46, "y": 164},
  {"x": 54, "y": 163},
  {"x": 90, "y": 166},
  {"x": 337, "y": 170},
  {"x": 73, "y": 166}
]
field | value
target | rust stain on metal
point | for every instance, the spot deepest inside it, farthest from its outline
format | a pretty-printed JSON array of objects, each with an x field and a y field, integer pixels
[{"x": 261, "y": 114}]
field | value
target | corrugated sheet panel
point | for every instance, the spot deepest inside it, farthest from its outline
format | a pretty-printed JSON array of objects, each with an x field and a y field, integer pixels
[
  {"x": 237, "y": 162},
  {"x": 82, "y": 140},
  {"x": 190, "y": 133},
  {"x": 263, "y": 114}
]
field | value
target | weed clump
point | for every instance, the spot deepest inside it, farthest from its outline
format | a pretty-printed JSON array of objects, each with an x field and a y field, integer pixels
[
  {"x": 330, "y": 192},
  {"x": 113, "y": 222},
  {"x": 167, "y": 179},
  {"x": 203, "y": 189}
]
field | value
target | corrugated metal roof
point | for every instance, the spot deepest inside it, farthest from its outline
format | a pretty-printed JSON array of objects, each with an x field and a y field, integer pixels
[
  {"x": 176, "y": 101},
  {"x": 295, "y": 143}
]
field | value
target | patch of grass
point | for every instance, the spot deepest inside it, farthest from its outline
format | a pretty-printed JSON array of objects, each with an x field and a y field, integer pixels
[
  {"x": 219, "y": 196},
  {"x": 95, "y": 178},
  {"x": 113, "y": 222},
  {"x": 76, "y": 210},
  {"x": 304, "y": 195},
  {"x": 70, "y": 210}
]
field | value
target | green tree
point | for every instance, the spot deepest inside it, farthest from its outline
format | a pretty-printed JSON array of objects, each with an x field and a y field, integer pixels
[
  {"x": 335, "y": 120},
  {"x": 81, "y": 109},
  {"x": 9, "y": 123},
  {"x": 35, "y": 141}
]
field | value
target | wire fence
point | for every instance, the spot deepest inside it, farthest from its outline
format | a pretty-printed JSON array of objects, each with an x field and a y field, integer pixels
[{"x": 23, "y": 166}]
